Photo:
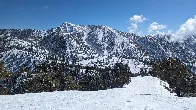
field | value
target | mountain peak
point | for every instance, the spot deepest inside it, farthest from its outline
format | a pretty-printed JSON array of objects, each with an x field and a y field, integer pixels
[
  {"x": 68, "y": 24},
  {"x": 67, "y": 27}
]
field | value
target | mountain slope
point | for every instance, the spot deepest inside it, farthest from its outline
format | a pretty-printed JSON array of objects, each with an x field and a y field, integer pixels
[{"x": 89, "y": 45}]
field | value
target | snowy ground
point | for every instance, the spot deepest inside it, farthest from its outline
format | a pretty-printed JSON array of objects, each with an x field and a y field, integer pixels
[
  {"x": 103, "y": 61},
  {"x": 143, "y": 93}
]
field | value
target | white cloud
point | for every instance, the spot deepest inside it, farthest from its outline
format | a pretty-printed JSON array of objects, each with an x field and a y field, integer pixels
[
  {"x": 133, "y": 27},
  {"x": 138, "y": 19},
  {"x": 164, "y": 33},
  {"x": 135, "y": 21},
  {"x": 186, "y": 29},
  {"x": 169, "y": 31},
  {"x": 156, "y": 27}
]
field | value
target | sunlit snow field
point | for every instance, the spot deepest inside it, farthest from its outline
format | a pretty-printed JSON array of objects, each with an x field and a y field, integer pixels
[{"x": 143, "y": 93}]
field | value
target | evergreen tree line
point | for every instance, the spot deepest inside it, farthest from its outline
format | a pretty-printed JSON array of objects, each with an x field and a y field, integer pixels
[
  {"x": 53, "y": 76},
  {"x": 4, "y": 76},
  {"x": 180, "y": 79}
]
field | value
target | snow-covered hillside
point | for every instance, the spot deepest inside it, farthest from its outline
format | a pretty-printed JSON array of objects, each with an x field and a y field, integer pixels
[
  {"x": 143, "y": 93},
  {"x": 28, "y": 47}
]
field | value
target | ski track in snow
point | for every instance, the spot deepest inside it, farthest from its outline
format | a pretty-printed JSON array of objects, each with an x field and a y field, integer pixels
[{"x": 143, "y": 93}]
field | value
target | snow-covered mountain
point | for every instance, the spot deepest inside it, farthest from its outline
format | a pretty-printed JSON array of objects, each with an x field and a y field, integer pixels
[{"x": 87, "y": 45}]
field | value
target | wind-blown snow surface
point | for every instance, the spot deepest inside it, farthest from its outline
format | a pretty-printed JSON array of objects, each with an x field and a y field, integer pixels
[{"x": 143, "y": 93}]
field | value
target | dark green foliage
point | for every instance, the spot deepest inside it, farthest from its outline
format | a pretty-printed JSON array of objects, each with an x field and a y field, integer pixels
[
  {"x": 120, "y": 75},
  {"x": 48, "y": 82},
  {"x": 178, "y": 76},
  {"x": 4, "y": 90},
  {"x": 5, "y": 76},
  {"x": 54, "y": 76},
  {"x": 4, "y": 73},
  {"x": 101, "y": 79},
  {"x": 143, "y": 72}
]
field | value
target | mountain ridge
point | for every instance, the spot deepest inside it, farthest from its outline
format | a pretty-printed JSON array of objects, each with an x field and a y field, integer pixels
[{"x": 88, "y": 45}]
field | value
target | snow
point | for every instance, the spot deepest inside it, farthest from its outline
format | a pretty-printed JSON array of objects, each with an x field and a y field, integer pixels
[
  {"x": 143, "y": 93},
  {"x": 100, "y": 35},
  {"x": 22, "y": 43},
  {"x": 104, "y": 61}
]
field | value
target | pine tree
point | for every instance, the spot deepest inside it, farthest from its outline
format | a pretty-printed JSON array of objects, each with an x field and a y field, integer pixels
[{"x": 178, "y": 76}]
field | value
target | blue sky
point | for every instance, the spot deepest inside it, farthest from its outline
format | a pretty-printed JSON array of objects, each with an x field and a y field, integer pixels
[{"x": 45, "y": 14}]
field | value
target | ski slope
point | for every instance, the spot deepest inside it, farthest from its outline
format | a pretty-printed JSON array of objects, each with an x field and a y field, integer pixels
[{"x": 143, "y": 93}]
